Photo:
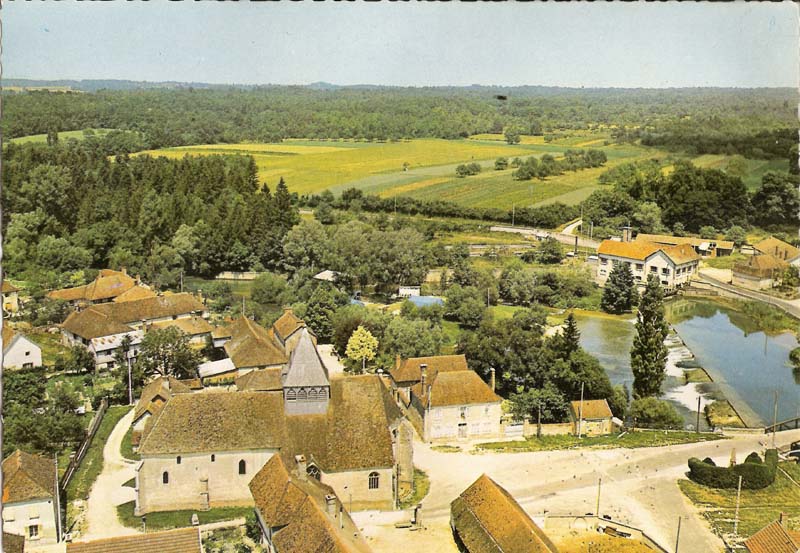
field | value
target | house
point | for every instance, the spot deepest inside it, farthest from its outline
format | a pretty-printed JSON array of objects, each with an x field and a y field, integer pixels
[
  {"x": 201, "y": 450},
  {"x": 154, "y": 395},
  {"x": 195, "y": 327},
  {"x": 591, "y": 417},
  {"x": 759, "y": 272},
  {"x": 408, "y": 291},
  {"x": 106, "y": 287},
  {"x": 10, "y": 297},
  {"x": 485, "y": 518},
  {"x": 299, "y": 514},
  {"x": 706, "y": 247},
  {"x": 249, "y": 346},
  {"x": 30, "y": 498},
  {"x": 18, "y": 351},
  {"x": 101, "y": 328},
  {"x": 780, "y": 249},
  {"x": 182, "y": 540},
  {"x": 444, "y": 399},
  {"x": 774, "y": 538},
  {"x": 675, "y": 266},
  {"x": 13, "y": 543}
]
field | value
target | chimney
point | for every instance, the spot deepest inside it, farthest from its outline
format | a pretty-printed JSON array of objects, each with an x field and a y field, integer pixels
[
  {"x": 782, "y": 520},
  {"x": 423, "y": 373},
  {"x": 124, "y": 270},
  {"x": 397, "y": 361},
  {"x": 626, "y": 234},
  {"x": 301, "y": 465},
  {"x": 492, "y": 381},
  {"x": 330, "y": 505},
  {"x": 429, "y": 396}
]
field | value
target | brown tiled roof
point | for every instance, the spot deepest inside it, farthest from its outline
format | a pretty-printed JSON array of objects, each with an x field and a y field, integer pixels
[
  {"x": 192, "y": 383},
  {"x": 455, "y": 388},
  {"x": 778, "y": 248},
  {"x": 312, "y": 532},
  {"x": 668, "y": 240},
  {"x": 8, "y": 335},
  {"x": 27, "y": 477},
  {"x": 763, "y": 265},
  {"x": 773, "y": 538},
  {"x": 489, "y": 520},
  {"x": 408, "y": 370},
  {"x": 13, "y": 543},
  {"x": 628, "y": 250},
  {"x": 680, "y": 254},
  {"x": 276, "y": 496},
  {"x": 287, "y": 324},
  {"x": 92, "y": 323},
  {"x": 252, "y": 345},
  {"x": 8, "y": 287},
  {"x": 592, "y": 409},
  {"x": 161, "y": 388},
  {"x": 183, "y": 540},
  {"x": 138, "y": 292},
  {"x": 108, "y": 284},
  {"x": 192, "y": 326},
  {"x": 353, "y": 434},
  {"x": 260, "y": 380},
  {"x": 151, "y": 308}
]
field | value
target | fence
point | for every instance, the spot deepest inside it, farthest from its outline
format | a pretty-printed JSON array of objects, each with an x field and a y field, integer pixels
[{"x": 75, "y": 461}]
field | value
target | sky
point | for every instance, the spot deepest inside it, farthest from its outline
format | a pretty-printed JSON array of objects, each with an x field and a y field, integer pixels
[{"x": 653, "y": 45}]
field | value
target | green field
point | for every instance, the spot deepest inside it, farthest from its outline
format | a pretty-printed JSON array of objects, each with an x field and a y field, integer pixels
[
  {"x": 77, "y": 135},
  {"x": 755, "y": 167}
]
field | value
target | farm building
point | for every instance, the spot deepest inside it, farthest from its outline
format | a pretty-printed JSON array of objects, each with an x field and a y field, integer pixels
[
  {"x": 779, "y": 249},
  {"x": 18, "y": 351},
  {"x": 758, "y": 272},
  {"x": 10, "y": 297},
  {"x": 702, "y": 246},
  {"x": 106, "y": 287},
  {"x": 485, "y": 518},
  {"x": 591, "y": 417},
  {"x": 30, "y": 498},
  {"x": 675, "y": 266}
]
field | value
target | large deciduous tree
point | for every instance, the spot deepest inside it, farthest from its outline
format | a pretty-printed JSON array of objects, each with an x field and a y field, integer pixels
[
  {"x": 167, "y": 352},
  {"x": 649, "y": 353},
  {"x": 362, "y": 347}
]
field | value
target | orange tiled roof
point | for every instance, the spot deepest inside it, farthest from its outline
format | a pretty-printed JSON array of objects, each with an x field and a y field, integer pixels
[
  {"x": 628, "y": 250},
  {"x": 28, "y": 477},
  {"x": 183, "y": 540},
  {"x": 680, "y": 254},
  {"x": 773, "y": 538},
  {"x": 592, "y": 409},
  {"x": 778, "y": 248},
  {"x": 409, "y": 370}
]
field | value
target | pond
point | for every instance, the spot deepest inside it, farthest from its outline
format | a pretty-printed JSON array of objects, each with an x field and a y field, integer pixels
[{"x": 747, "y": 365}]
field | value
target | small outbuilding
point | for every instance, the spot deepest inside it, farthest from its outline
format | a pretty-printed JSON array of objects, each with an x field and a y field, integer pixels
[{"x": 591, "y": 417}]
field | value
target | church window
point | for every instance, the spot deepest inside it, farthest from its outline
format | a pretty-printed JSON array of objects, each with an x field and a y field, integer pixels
[
  {"x": 373, "y": 480},
  {"x": 165, "y": 477},
  {"x": 242, "y": 467},
  {"x": 178, "y": 459}
]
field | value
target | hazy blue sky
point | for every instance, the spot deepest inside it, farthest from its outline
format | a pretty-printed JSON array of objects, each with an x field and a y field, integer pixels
[{"x": 405, "y": 43}]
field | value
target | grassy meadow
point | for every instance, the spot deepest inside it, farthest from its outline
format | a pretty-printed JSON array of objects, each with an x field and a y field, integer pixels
[{"x": 77, "y": 135}]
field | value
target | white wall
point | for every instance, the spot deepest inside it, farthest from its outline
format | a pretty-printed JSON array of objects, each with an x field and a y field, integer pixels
[
  {"x": 18, "y": 517},
  {"x": 21, "y": 353},
  {"x": 482, "y": 420}
]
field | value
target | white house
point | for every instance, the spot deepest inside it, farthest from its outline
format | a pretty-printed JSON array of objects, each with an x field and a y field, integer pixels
[
  {"x": 30, "y": 498},
  {"x": 18, "y": 351},
  {"x": 675, "y": 266}
]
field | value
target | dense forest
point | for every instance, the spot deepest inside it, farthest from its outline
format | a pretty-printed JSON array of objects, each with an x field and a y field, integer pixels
[{"x": 702, "y": 120}]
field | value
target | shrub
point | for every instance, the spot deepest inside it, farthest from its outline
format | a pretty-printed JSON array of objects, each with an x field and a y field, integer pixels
[
  {"x": 756, "y": 474},
  {"x": 655, "y": 413}
]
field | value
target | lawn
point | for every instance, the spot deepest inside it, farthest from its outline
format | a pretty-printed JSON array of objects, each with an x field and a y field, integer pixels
[
  {"x": 51, "y": 345},
  {"x": 77, "y": 135},
  {"x": 167, "y": 520},
  {"x": 630, "y": 440},
  {"x": 126, "y": 449},
  {"x": 757, "y": 507},
  {"x": 422, "y": 486},
  {"x": 92, "y": 464}
]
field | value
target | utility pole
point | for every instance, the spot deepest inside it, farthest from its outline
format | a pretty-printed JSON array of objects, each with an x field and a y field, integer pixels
[
  {"x": 539, "y": 421},
  {"x": 130, "y": 379},
  {"x": 678, "y": 538},
  {"x": 736, "y": 516},
  {"x": 181, "y": 280},
  {"x": 487, "y": 297},
  {"x": 580, "y": 415},
  {"x": 697, "y": 430},
  {"x": 513, "y": 213},
  {"x": 599, "y": 483},
  {"x": 775, "y": 419}
]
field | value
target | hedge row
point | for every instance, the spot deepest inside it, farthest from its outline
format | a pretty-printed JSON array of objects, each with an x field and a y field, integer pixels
[{"x": 756, "y": 474}]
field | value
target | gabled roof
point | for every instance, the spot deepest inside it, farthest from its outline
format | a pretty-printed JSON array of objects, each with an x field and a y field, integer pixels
[
  {"x": 13, "y": 543},
  {"x": 108, "y": 284},
  {"x": 360, "y": 413},
  {"x": 409, "y": 370},
  {"x": 260, "y": 380},
  {"x": 276, "y": 495},
  {"x": 305, "y": 367},
  {"x": 676, "y": 240},
  {"x": 183, "y": 540},
  {"x": 216, "y": 368},
  {"x": 454, "y": 388},
  {"x": 642, "y": 250},
  {"x": 778, "y": 248},
  {"x": 592, "y": 409},
  {"x": 92, "y": 323},
  {"x": 193, "y": 326},
  {"x": 8, "y": 287},
  {"x": 163, "y": 388},
  {"x": 773, "y": 538},
  {"x": 680, "y": 254},
  {"x": 27, "y": 477},
  {"x": 287, "y": 324},
  {"x": 252, "y": 345},
  {"x": 8, "y": 335},
  {"x": 312, "y": 532},
  {"x": 138, "y": 292},
  {"x": 762, "y": 265},
  {"x": 489, "y": 520}
]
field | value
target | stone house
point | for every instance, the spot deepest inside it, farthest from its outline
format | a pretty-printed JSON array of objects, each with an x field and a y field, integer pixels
[
  {"x": 675, "y": 266},
  {"x": 201, "y": 450},
  {"x": 101, "y": 328},
  {"x": 485, "y": 518},
  {"x": 30, "y": 498},
  {"x": 299, "y": 514},
  {"x": 591, "y": 417},
  {"x": 445, "y": 400},
  {"x": 108, "y": 286},
  {"x": 759, "y": 272},
  {"x": 182, "y": 540},
  {"x": 10, "y": 297},
  {"x": 18, "y": 351},
  {"x": 780, "y": 249}
]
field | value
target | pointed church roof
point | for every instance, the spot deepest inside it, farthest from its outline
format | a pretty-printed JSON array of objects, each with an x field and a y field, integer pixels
[{"x": 305, "y": 365}]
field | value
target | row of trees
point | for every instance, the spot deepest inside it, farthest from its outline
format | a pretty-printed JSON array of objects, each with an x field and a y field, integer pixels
[{"x": 574, "y": 160}]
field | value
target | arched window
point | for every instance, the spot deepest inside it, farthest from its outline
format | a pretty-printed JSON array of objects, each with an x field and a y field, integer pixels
[
  {"x": 312, "y": 394},
  {"x": 178, "y": 459},
  {"x": 301, "y": 395},
  {"x": 373, "y": 480},
  {"x": 242, "y": 467},
  {"x": 291, "y": 395},
  {"x": 313, "y": 472},
  {"x": 165, "y": 477},
  {"x": 213, "y": 457}
]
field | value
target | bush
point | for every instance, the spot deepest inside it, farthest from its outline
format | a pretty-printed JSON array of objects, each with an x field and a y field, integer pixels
[
  {"x": 650, "y": 412},
  {"x": 756, "y": 474}
]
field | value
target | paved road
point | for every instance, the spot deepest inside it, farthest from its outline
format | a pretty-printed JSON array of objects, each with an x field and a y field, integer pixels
[
  {"x": 563, "y": 237},
  {"x": 791, "y": 307},
  {"x": 108, "y": 490},
  {"x": 638, "y": 487}
]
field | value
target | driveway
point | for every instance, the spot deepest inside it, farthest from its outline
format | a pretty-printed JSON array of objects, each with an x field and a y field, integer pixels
[
  {"x": 108, "y": 491},
  {"x": 638, "y": 487}
]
